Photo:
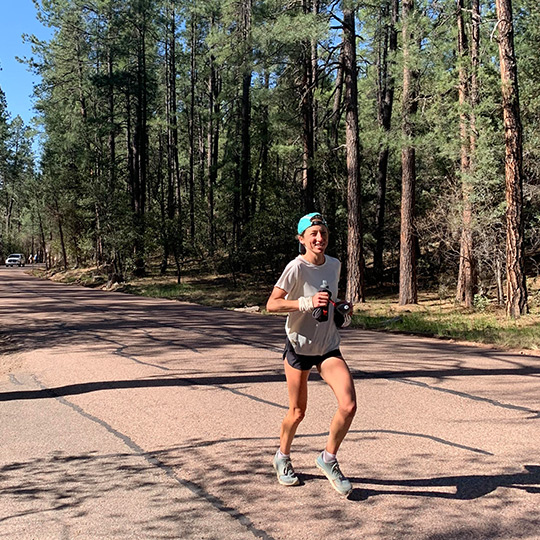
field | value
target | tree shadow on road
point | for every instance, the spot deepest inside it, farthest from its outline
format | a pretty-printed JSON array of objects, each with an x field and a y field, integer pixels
[
  {"x": 104, "y": 491},
  {"x": 248, "y": 377},
  {"x": 65, "y": 314}
]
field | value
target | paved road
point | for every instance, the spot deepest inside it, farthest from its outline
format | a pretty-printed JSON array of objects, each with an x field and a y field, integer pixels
[{"x": 125, "y": 417}]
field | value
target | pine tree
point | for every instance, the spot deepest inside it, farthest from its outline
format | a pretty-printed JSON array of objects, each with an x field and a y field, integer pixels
[
  {"x": 355, "y": 254},
  {"x": 516, "y": 302},
  {"x": 408, "y": 291}
]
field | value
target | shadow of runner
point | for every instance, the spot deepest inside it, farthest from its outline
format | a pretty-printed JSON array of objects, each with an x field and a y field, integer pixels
[{"x": 467, "y": 487}]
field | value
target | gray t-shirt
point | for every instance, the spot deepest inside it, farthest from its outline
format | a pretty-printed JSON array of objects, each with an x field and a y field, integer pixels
[{"x": 301, "y": 278}]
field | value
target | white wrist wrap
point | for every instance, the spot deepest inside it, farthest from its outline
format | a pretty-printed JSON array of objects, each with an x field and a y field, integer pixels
[{"x": 305, "y": 303}]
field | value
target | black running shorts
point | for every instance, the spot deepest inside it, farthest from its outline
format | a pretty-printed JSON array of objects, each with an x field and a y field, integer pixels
[{"x": 305, "y": 362}]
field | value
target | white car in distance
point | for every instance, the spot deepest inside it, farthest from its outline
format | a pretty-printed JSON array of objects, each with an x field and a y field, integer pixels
[{"x": 15, "y": 259}]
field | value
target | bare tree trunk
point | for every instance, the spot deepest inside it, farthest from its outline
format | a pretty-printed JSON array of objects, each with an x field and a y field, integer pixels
[
  {"x": 139, "y": 150},
  {"x": 43, "y": 242},
  {"x": 99, "y": 238},
  {"x": 61, "y": 234},
  {"x": 333, "y": 144},
  {"x": 245, "y": 159},
  {"x": 262, "y": 166},
  {"x": 315, "y": 76},
  {"x": 111, "y": 111},
  {"x": 163, "y": 172},
  {"x": 355, "y": 255},
  {"x": 171, "y": 194},
  {"x": 385, "y": 100},
  {"x": 243, "y": 190},
  {"x": 408, "y": 289},
  {"x": 336, "y": 107},
  {"x": 307, "y": 112},
  {"x": 475, "y": 64},
  {"x": 516, "y": 297},
  {"x": 174, "y": 177},
  {"x": 191, "y": 128},
  {"x": 466, "y": 286},
  {"x": 213, "y": 147},
  {"x": 111, "y": 188},
  {"x": 9, "y": 211}
]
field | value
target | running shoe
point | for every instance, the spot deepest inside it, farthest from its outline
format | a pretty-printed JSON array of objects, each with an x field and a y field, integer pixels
[
  {"x": 284, "y": 471},
  {"x": 332, "y": 471}
]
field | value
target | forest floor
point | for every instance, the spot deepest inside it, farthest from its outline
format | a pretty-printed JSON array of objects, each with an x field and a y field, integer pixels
[{"x": 436, "y": 313}]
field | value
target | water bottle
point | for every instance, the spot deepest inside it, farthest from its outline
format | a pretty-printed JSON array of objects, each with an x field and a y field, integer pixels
[{"x": 321, "y": 313}]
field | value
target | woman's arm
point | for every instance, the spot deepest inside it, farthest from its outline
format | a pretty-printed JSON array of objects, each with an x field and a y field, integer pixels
[{"x": 277, "y": 303}]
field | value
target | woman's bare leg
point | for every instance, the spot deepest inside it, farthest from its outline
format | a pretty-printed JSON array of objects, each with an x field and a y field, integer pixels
[
  {"x": 297, "y": 388},
  {"x": 336, "y": 373}
]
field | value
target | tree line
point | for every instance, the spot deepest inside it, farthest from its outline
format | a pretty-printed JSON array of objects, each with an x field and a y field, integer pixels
[{"x": 176, "y": 131}]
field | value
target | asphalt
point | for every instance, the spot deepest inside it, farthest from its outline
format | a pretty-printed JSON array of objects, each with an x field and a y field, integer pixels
[{"x": 135, "y": 418}]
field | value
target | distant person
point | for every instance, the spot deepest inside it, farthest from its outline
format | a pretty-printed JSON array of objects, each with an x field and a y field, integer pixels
[{"x": 310, "y": 343}]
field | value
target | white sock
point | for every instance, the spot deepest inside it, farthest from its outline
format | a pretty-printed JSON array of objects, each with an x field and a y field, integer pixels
[
  {"x": 328, "y": 457},
  {"x": 281, "y": 455}
]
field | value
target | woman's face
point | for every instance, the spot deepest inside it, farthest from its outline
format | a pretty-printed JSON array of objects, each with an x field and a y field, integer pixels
[{"x": 315, "y": 239}]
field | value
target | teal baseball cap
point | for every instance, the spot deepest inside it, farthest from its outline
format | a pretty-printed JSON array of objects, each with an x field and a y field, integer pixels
[{"x": 309, "y": 220}]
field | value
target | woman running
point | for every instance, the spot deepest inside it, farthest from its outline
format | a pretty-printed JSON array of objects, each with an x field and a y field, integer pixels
[{"x": 311, "y": 342}]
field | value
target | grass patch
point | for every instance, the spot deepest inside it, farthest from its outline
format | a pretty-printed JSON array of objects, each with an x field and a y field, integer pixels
[
  {"x": 449, "y": 321},
  {"x": 209, "y": 290},
  {"x": 173, "y": 291}
]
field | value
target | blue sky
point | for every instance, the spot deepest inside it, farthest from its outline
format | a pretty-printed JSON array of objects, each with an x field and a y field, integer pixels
[{"x": 18, "y": 17}]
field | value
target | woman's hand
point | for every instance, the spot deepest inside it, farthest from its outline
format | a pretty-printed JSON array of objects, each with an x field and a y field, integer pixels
[
  {"x": 321, "y": 299},
  {"x": 278, "y": 304}
]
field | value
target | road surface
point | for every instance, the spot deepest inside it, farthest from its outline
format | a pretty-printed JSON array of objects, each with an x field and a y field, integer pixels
[{"x": 135, "y": 418}]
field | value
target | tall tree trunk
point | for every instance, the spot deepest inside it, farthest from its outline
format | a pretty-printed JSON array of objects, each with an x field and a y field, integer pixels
[
  {"x": 408, "y": 289},
  {"x": 385, "y": 101},
  {"x": 474, "y": 88},
  {"x": 355, "y": 253},
  {"x": 334, "y": 161},
  {"x": 307, "y": 112},
  {"x": 43, "y": 241},
  {"x": 163, "y": 174},
  {"x": 336, "y": 106},
  {"x": 466, "y": 286},
  {"x": 315, "y": 76},
  {"x": 111, "y": 112},
  {"x": 174, "y": 178},
  {"x": 99, "y": 237},
  {"x": 244, "y": 191},
  {"x": 138, "y": 146},
  {"x": 9, "y": 211},
  {"x": 247, "y": 192},
  {"x": 111, "y": 188},
  {"x": 191, "y": 129},
  {"x": 475, "y": 64},
  {"x": 516, "y": 288},
  {"x": 213, "y": 148},
  {"x": 165, "y": 145},
  {"x": 172, "y": 234},
  {"x": 61, "y": 234},
  {"x": 261, "y": 178}
]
